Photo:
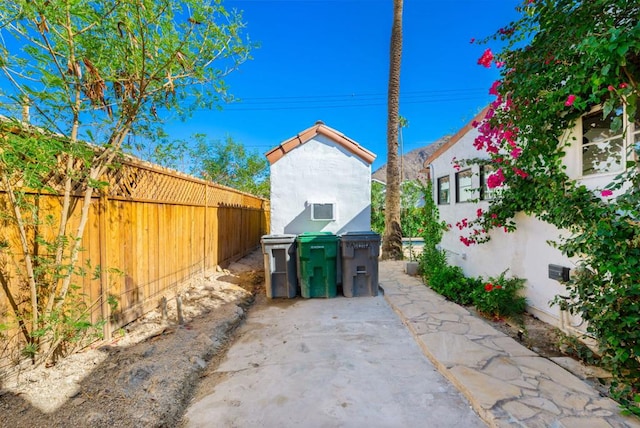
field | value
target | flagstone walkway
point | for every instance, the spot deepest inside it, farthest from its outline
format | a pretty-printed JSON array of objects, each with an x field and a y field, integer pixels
[{"x": 506, "y": 383}]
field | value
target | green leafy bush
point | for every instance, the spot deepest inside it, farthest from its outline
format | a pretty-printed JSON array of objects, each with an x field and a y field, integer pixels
[
  {"x": 452, "y": 284},
  {"x": 500, "y": 297},
  {"x": 431, "y": 261}
]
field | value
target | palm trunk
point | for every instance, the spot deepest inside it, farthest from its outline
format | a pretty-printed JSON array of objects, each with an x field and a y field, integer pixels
[{"x": 392, "y": 241}]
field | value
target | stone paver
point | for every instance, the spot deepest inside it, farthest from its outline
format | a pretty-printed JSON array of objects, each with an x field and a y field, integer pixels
[{"x": 507, "y": 384}]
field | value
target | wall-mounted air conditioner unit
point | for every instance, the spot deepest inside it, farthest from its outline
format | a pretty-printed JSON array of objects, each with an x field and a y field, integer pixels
[{"x": 323, "y": 211}]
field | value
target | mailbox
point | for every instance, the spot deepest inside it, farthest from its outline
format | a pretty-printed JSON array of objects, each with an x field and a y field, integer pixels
[{"x": 559, "y": 273}]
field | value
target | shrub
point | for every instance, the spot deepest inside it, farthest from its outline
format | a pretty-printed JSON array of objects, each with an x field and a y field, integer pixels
[
  {"x": 450, "y": 282},
  {"x": 500, "y": 297},
  {"x": 431, "y": 261}
]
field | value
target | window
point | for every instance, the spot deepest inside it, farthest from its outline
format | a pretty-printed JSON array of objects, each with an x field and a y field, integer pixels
[
  {"x": 486, "y": 194},
  {"x": 323, "y": 212},
  {"x": 604, "y": 150},
  {"x": 443, "y": 190},
  {"x": 464, "y": 191}
]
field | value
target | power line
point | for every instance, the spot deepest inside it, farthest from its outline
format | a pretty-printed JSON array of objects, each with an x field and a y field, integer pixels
[
  {"x": 373, "y": 99},
  {"x": 364, "y": 94},
  {"x": 311, "y": 105}
]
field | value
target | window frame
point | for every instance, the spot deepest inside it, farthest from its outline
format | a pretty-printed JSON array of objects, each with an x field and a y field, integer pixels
[
  {"x": 629, "y": 134},
  {"x": 459, "y": 189},
  {"x": 486, "y": 194},
  {"x": 439, "y": 181}
]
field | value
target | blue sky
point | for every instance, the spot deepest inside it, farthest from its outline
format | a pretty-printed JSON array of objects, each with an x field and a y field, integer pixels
[{"x": 328, "y": 60}]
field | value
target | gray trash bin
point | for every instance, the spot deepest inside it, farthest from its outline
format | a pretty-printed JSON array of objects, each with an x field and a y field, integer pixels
[
  {"x": 360, "y": 252},
  {"x": 280, "y": 265}
]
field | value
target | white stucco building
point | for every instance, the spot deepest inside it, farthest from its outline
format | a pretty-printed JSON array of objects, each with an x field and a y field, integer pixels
[
  {"x": 594, "y": 158},
  {"x": 320, "y": 181}
]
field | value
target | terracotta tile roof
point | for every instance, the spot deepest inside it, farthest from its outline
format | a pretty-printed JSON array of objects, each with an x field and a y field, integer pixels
[
  {"x": 453, "y": 140},
  {"x": 319, "y": 129}
]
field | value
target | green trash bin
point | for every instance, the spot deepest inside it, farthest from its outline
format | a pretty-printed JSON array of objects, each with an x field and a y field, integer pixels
[{"x": 317, "y": 260}]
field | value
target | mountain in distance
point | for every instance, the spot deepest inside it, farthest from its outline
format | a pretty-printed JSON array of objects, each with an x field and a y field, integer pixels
[{"x": 412, "y": 162}]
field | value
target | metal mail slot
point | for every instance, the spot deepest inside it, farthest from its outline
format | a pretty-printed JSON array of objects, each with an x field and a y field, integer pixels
[{"x": 559, "y": 273}]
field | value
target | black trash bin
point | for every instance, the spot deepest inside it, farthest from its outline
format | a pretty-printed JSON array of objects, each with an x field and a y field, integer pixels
[
  {"x": 360, "y": 252},
  {"x": 280, "y": 265}
]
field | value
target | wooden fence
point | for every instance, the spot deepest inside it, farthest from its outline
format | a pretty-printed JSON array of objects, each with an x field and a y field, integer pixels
[{"x": 149, "y": 231}]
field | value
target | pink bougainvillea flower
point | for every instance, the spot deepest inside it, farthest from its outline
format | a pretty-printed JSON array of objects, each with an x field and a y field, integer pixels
[
  {"x": 570, "y": 100},
  {"x": 462, "y": 224},
  {"x": 493, "y": 90},
  {"x": 606, "y": 193},
  {"x": 486, "y": 58},
  {"x": 508, "y": 104},
  {"x": 500, "y": 64},
  {"x": 473, "y": 40},
  {"x": 496, "y": 179},
  {"x": 623, "y": 85},
  {"x": 611, "y": 88},
  {"x": 515, "y": 153},
  {"x": 479, "y": 212},
  {"x": 520, "y": 172},
  {"x": 466, "y": 241},
  {"x": 456, "y": 165},
  {"x": 494, "y": 215},
  {"x": 506, "y": 31},
  {"x": 492, "y": 148}
]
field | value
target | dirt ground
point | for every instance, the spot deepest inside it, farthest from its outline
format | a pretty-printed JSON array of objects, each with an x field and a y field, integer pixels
[{"x": 147, "y": 376}]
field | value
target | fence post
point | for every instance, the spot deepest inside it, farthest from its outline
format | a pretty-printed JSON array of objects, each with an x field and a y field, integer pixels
[
  {"x": 103, "y": 211},
  {"x": 205, "y": 260}
]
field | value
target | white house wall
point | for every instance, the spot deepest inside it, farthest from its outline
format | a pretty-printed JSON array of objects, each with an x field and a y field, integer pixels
[
  {"x": 320, "y": 171},
  {"x": 525, "y": 253}
]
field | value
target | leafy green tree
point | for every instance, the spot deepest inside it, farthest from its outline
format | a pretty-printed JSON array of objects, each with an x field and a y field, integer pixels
[
  {"x": 377, "y": 207},
  {"x": 226, "y": 162},
  {"x": 229, "y": 163},
  {"x": 102, "y": 71},
  {"x": 411, "y": 211},
  {"x": 562, "y": 60}
]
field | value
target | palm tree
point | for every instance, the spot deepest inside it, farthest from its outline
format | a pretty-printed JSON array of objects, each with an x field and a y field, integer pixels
[{"x": 392, "y": 241}]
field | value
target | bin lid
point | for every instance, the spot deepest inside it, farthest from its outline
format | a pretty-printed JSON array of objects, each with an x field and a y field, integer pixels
[
  {"x": 365, "y": 235},
  {"x": 278, "y": 239},
  {"x": 317, "y": 236}
]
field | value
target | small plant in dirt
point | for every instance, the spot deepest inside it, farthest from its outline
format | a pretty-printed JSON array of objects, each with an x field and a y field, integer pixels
[{"x": 500, "y": 297}]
